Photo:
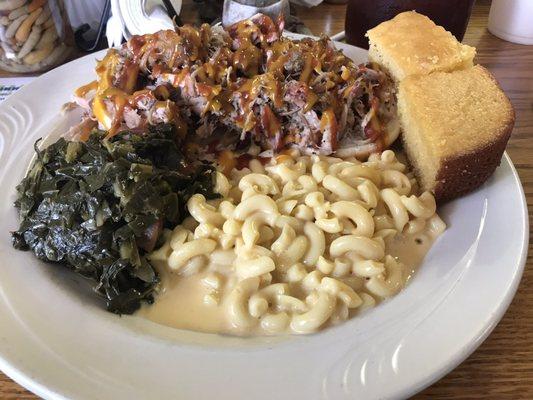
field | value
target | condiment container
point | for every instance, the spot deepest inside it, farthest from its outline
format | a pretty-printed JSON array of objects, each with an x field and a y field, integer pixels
[
  {"x": 512, "y": 20},
  {"x": 34, "y": 35}
]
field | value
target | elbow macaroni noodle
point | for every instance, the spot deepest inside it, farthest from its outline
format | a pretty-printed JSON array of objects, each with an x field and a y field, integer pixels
[{"x": 301, "y": 242}]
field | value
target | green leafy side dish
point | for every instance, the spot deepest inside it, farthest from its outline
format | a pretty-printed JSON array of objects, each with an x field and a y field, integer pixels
[{"x": 99, "y": 206}]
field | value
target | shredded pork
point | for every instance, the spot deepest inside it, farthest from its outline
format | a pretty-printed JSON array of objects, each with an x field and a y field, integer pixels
[{"x": 240, "y": 86}]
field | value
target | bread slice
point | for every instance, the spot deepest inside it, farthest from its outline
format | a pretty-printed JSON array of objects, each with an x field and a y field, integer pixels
[
  {"x": 411, "y": 44},
  {"x": 455, "y": 128}
]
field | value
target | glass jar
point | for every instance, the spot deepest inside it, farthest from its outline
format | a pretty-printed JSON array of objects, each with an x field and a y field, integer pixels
[
  {"x": 362, "y": 15},
  {"x": 34, "y": 35}
]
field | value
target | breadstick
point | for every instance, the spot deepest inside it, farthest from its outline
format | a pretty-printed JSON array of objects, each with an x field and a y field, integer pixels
[
  {"x": 58, "y": 55},
  {"x": 48, "y": 36},
  {"x": 7, "y": 5},
  {"x": 30, "y": 43},
  {"x": 12, "y": 29},
  {"x": 49, "y": 22},
  {"x": 35, "y": 4},
  {"x": 38, "y": 55},
  {"x": 18, "y": 12},
  {"x": 44, "y": 16},
  {"x": 11, "y": 66},
  {"x": 24, "y": 31}
]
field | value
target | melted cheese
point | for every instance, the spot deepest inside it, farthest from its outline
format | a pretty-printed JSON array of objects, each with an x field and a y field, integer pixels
[{"x": 181, "y": 301}]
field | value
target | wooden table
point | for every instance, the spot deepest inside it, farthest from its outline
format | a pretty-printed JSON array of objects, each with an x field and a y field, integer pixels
[{"x": 502, "y": 367}]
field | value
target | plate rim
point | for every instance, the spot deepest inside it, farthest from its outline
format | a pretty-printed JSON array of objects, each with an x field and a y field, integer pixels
[
  {"x": 503, "y": 306},
  {"x": 45, "y": 391}
]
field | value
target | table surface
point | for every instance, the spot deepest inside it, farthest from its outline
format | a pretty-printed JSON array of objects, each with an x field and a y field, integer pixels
[{"x": 502, "y": 367}]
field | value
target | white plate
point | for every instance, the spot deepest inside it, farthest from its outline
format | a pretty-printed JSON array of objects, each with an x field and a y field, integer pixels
[{"x": 58, "y": 341}]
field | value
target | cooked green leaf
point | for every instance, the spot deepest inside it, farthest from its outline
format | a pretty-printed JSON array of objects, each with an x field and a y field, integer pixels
[{"x": 98, "y": 206}]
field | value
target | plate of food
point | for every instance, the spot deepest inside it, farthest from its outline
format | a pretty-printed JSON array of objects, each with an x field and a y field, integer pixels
[{"x": 240, "y": 213}]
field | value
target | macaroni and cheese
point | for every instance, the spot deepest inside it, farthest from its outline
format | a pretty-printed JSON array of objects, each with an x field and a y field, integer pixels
[{"x": 293, "y": 246}]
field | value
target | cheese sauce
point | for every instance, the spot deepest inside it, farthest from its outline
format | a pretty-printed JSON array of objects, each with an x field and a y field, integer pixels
[
  {"x": 410, "y": 250},
  {"x": 181, "y": 300},
  {"x": 180, "y": 304}
]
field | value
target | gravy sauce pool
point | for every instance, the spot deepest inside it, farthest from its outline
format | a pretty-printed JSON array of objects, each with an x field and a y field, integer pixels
[
  {"x": 410, "y": 250},
  {"x": 180, "y": 304},
  {"x": 180, "y": 301}
]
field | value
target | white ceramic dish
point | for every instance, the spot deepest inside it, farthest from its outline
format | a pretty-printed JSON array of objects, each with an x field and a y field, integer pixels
[{"x": 60, "y": 343}]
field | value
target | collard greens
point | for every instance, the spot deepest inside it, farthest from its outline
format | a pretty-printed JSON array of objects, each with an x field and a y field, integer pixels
[{"x": 98, "y": 206}]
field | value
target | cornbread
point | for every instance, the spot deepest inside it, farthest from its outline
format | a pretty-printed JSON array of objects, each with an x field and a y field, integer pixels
[
  {"x": 411, "y": 44},
  {"x": 455, "y": 128}
]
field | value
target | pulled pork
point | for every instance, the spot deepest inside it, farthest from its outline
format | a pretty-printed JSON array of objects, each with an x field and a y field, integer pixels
[{"x": 242, "y": 85}]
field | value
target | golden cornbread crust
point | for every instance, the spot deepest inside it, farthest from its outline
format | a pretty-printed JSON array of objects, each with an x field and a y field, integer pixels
[
  {"x": 464, "y": 120},
  {"x": 464, "y": 173},
  {"x": 460, "y": 175},
  {"x": 411, "y": 44},
  {"x": 459, "y": 111}
]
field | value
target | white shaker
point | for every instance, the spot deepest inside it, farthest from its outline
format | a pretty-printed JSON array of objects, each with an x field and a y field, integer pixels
[{"x": 512, "y": 20}]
